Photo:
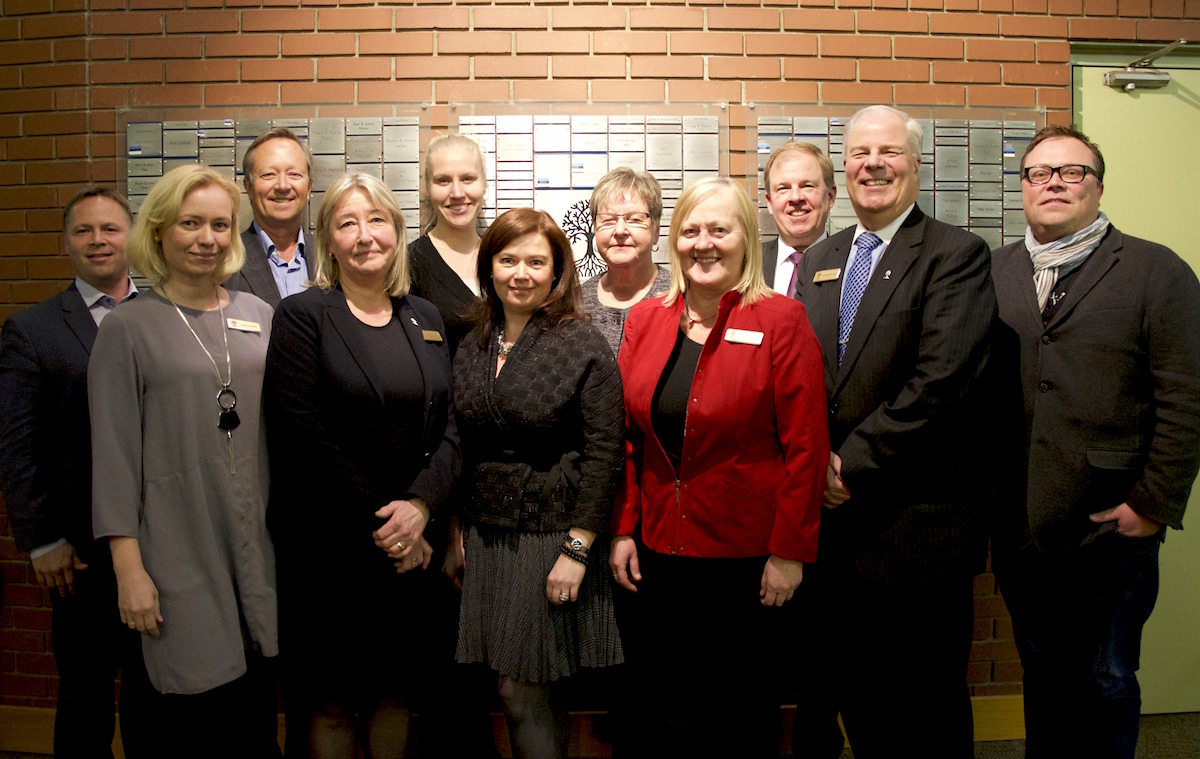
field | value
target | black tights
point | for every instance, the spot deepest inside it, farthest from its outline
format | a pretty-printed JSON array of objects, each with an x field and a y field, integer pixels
[
  {"x": 539, "y": 725},
  {"x": 335, "y": 729}
]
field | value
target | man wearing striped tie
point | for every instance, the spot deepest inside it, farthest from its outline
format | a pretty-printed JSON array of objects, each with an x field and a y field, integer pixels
[{"x": 906, "y": 313}]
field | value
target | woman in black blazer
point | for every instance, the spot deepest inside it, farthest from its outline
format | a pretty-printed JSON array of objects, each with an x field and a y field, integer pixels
[{"x": 357, "y": 397}]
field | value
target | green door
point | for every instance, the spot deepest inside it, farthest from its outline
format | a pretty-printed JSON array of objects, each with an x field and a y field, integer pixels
[{"x": 1150, "y": 141}]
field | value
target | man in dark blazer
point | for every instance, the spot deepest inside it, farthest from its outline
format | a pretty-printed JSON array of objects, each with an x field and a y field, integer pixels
[
  {"x": 1108, "y": 328},
  {"x": 904, "y": 308},
  {"x": 800, "y": 190},
  {"x": 280, "y": 257},
  {"x": 46, "y": 467}
]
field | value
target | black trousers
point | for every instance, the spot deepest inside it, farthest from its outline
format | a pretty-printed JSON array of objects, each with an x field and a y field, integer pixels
[
  {"x": 892, "y": 659},
  {"x": 238, "y": 719},
  {"x": 702, "y": 656},
  {"x": 1077, "y": 619},
  {"x": 89, "y": 644}
]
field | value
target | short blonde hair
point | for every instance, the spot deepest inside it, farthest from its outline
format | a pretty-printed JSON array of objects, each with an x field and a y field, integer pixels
[
  {"x": 328, "y": 274},
  {"x": 801, "y": 148},
  {"x": 436, "y": 145},
  {"x": 623, "y": 181},
  {"x": 160, "y": 210},
  {"x": 751, "y": 284}
]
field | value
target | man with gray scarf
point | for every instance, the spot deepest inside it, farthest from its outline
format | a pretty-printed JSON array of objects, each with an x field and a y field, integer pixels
[{"x": 1107, "y": 330}]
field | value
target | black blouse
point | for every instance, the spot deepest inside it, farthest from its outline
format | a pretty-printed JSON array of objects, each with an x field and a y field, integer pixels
[{"x": 434, "y": 280}]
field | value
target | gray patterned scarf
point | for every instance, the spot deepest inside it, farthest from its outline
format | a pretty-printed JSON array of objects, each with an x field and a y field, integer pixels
[{"x": 1061, "y": 257}]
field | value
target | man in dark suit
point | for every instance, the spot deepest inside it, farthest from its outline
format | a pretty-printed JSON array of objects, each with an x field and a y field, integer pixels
[
  {"x": 280, "y": 259},
  {"x": 905, "y": 311},
  {"x": 46, "y": 467},
  {"x": 800, "y": 191},
  {"x": 1109, "y": 333}
]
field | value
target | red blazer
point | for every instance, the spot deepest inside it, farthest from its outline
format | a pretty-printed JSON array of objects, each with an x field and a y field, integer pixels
[{"x": 756, "y": 446}]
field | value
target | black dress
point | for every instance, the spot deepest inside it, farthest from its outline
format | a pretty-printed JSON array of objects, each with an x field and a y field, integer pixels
[
  {"x": 356, "y": 417},
  {"x": 434, "y": 280}
]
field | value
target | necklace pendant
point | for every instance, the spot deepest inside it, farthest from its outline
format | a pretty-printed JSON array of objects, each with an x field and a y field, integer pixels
[{"x": 232, "y": 458}]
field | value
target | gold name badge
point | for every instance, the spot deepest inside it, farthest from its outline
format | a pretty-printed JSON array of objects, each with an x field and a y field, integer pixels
[
  {"x": 431, "y": 335},
  {"x": 243, "y": 326},
  {"x": 826, "y": 275}
]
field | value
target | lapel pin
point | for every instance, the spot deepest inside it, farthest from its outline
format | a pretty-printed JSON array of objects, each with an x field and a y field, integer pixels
[
  {"x": 414, "y": 321},
  {"x": 887, "y": 274}
]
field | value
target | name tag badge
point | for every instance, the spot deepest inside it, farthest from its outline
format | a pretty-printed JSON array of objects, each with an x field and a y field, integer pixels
[
  {"x": 743, "y": 336},
  {"x": 243, "y": 326},
  {"x": 431, "y": 335},
  {"x": 827, "y": 275}
]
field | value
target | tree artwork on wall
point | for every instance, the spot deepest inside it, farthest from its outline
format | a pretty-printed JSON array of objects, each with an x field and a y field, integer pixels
[{"x": 577, "y": 224}]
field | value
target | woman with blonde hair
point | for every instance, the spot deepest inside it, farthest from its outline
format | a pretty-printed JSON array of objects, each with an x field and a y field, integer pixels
[
  {"x": 443, "y": 258},
  {"x": 358, "y": 412},
  {"x": 442, "y": 262},
  {"x": 179, "y": 484},
  {"x": 725, "y": 458}
]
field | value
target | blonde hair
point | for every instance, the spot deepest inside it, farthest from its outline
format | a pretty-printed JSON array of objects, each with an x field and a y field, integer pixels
[
  {"x": 751, "y": 284},
  {"x": 160, "y": 210},
  {"x": 328, "y": 274},
  {"x": 438, "y": 144},
  {"x": 801, "y": 148},
  {"x": 623, "y": 181}
]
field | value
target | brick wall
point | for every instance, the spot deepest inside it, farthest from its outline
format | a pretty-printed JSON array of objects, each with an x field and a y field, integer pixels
[{"x": 67, "y": 65}]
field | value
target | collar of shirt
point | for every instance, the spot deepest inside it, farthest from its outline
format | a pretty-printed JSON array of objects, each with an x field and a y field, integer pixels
[
  {"x": 782, "y": 276},
  {"x": 783, "y": 267},
  {"x": 100, "y": 304},
  {"x": 273, "y": 252}
]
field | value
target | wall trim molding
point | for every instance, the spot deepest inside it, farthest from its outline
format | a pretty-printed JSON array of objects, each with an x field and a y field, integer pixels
[{"x": 30, "y": 729}]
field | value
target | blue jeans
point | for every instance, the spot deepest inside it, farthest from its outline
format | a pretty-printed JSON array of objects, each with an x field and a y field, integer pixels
[{"x": 1077, "y": 619}]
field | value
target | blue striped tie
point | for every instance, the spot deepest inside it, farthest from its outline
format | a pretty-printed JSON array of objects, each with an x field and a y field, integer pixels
[{"x": 856, "y": 283}]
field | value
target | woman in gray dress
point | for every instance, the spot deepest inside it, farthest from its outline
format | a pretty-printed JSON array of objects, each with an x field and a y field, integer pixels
[
  {"x": 180, "y": 476},
  {"x": 626, "y": 213}
]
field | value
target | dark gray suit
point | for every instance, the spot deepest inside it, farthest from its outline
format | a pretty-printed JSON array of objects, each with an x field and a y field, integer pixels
[
  {"x": 46, "y": 476},
  {"x": 1111, "y": 387},
  {"x": 255, "y": 277},
  {"x": 770, "y": 259},
  {"x": 904, "y": 410}
]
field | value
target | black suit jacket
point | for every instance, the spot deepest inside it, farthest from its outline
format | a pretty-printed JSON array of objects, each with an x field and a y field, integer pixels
[
  {"x": 1111, "y": 388},
  {"x": 770, "y": 260},
  {"x": 332, "y": 463},
  {"x": 45, "y": 436},
  {"x": 255, "y": 276},
  {"x": 906, "y": 404}
]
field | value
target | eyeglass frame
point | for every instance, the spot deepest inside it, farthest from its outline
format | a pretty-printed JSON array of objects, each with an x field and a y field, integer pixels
[
  {"x": 613, "y": 218},
  {"x": 1058, "y": 170}
]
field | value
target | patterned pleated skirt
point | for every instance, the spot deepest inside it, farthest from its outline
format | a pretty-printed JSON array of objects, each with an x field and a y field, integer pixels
[{"x": 506, "y": 621}]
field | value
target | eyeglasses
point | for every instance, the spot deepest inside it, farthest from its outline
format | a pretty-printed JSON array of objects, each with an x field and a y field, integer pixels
[
  {"x": 636, "y": 220},
  {"x": 1071, "y": 173}
]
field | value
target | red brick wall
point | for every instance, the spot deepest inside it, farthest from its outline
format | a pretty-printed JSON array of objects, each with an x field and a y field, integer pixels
[{"x": 65, "y": 66}]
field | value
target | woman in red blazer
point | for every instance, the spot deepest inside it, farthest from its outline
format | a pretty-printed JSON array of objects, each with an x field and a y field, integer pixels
[{"x": 726, "y": 453}]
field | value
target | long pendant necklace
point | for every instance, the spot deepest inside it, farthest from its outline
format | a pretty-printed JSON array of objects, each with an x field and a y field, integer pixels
[
  {"x": 228, "y": 420},
  {"x": 687, "y": 312}
]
